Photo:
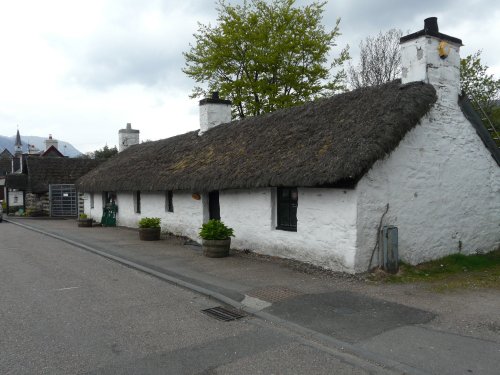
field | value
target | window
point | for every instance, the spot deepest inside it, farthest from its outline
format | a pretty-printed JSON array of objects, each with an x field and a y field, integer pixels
[
  {"x": 213, "y": 205},
  {"x": 91, "y": 200},
  {"x": 287, "y": 199},
  {"x": 169, "y": 206},
  {"x": 137, "y": 202}
]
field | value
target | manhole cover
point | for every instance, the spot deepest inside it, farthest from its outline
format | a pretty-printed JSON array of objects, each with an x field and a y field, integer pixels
[
  {"x": 222, "y": 313},
  {"x": 273, "y": 293}
]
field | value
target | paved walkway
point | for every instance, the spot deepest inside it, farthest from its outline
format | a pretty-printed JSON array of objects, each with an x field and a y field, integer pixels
[{"x": 334, "y": 310}]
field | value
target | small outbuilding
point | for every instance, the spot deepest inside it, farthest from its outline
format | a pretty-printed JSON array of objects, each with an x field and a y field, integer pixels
[{"x": 318, "y": 181}]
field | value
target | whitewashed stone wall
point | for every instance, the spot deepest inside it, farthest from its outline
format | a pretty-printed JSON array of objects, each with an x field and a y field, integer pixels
[
  {"x": 443, "y": 190},
  {"x": 185, "y": 220},
  {"x": 326, "y": 229},
  {"x": 441, "y": 183},
  {"x": 96, "y": 212},
  {"x": 126, "y": 216}
]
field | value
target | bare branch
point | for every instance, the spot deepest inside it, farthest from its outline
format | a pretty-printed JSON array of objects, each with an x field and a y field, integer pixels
[{"x": 379, "y": 60}]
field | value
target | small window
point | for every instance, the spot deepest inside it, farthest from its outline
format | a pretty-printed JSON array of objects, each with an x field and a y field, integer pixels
[
  {"x": 213, "y": 205},
  {"x": 138, "y": 202},
  {"x": 287, "y": 199},
  {"x": 169, "y": 206},
  {"x": 91, "y": 200}
]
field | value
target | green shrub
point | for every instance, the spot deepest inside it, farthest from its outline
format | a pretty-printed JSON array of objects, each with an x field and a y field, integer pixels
[
  {"x": 215, "y": 230},
  {"x": 149, "y": 222},
  {"x": 82, "y": 216}
]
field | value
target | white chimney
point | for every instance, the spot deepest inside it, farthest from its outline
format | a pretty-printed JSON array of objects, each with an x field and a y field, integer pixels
[
  {"x": 214, "y": 111},
  {"x": 434, "y": 58},
  {"x": 51, "y": 142},
  {"x": 127, "y": 137}
]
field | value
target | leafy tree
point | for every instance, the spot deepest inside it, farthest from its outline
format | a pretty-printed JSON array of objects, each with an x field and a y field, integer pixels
[
  {"x": 483, "y": 90},
  {"x": 101, "y": 154},
  {"x": 105, "y": 152},
  {"x": 265, "y": 55},
  {"x": 379, "y": 60}
]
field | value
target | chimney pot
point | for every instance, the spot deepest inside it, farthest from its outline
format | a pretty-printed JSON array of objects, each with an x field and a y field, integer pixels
[
  {"x": 431, "y": 24},
  {"x": 215, "y": 95}
]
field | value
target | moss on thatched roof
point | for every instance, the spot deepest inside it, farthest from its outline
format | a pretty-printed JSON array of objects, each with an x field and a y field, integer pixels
[
  {"x": 43, "y": 171},
  {"x": 327, "y": 142}
]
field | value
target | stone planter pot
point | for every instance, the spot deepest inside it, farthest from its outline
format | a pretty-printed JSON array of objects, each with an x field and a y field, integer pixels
[
  {"x": 216, "y": 248},
  {"x": 149, "y": 234},
  {"x": 86, "y": 223}
]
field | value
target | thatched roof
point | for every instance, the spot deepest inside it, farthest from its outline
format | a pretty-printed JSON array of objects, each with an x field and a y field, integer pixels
[
  {"x": 328, "y": 142},
  {"x": 5, "y": 166},
  {"x": 43, "y": 171},
  {"x": 16, "y": 181}
]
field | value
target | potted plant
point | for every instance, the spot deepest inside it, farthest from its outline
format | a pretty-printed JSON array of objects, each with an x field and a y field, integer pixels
[
  {"x": 84, "y": 221},
  {"x": 216, "y": 239},
  {"x": 149, "y": 229}
]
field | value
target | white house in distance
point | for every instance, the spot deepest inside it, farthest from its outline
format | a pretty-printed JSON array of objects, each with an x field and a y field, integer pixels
[{"x": 313, "y": 182}]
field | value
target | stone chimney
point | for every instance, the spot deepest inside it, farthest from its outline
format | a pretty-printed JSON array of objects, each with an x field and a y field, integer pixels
[
  {"x": 434, "y": 58},
  {"x": 214, "y": 111},
  {"x": 33, "y": 150},
  {"x": 51, "y": 142},
  {"x": 127, "y": 137}
]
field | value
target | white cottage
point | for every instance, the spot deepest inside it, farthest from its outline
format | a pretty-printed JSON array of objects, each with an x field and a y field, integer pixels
[{"x": 316, "y": 182}]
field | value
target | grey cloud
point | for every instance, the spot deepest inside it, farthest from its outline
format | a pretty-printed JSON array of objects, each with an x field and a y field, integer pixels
[
  {"x": 360, "y": 19},
  {"x": 364, "y": 18},
  {"x": 124, "y": 53},
  {"x": 126, "y": 62}
]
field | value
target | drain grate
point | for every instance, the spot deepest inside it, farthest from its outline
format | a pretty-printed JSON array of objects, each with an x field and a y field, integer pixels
[{"x": 223, "y": 313}]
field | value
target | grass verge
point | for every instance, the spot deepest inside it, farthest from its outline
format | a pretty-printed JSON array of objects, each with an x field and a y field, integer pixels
[{"x": 455, "y": 271}]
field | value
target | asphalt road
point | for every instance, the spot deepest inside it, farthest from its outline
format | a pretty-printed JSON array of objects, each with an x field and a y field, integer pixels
[{"x": 66, "y": 311}]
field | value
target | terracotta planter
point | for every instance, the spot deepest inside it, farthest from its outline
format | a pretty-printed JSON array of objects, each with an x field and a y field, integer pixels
[
  {"x": 149, "y": 234},
  {"x": 86, "y": 223},
  {"x": 216, "y": 248}
]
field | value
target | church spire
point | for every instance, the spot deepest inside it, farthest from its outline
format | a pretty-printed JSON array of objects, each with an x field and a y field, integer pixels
[{"x": 19, "y": 144}]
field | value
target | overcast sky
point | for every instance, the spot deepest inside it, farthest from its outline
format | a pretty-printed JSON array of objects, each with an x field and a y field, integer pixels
[{"x": 80, "y": 70}]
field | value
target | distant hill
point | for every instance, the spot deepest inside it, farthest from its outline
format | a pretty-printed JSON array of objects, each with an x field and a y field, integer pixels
[{"x": 8, "y": 143}]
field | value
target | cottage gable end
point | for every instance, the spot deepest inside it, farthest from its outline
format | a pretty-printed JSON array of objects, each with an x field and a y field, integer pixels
[{"x": 441, "y": 183}]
